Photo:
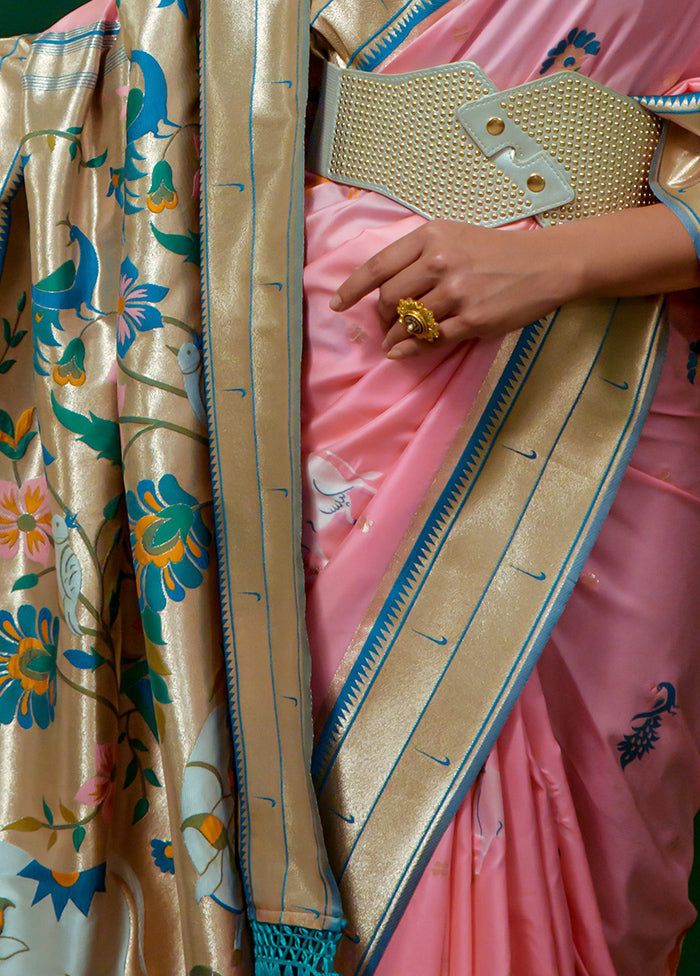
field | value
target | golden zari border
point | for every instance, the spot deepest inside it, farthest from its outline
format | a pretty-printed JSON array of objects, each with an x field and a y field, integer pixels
[
  {"x": 254, "y": 77},
  {"x": 447, "y": 646},
  {"x": 675, "y": 172},
  {"x": 361, "y": 35}
]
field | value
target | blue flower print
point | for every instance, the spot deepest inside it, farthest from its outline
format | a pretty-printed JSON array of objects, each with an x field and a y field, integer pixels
[
  {"x": 168, "y": 3},
  {"x": 162, "y": 853},
  {"x": 28, "y": 667},
  {"x": 136, "y": 311},
  {"x": 169, "y": 540},
  {"x": 693, "y": 352},
  {"x": 571, "y": 52},
  {"x": 79, "y": 886}
]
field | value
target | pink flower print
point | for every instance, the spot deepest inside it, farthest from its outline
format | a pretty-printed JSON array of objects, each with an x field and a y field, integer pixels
[
  {"x": 123, "y": 93},
  {"x": 25, "y": 520},
  {"x": 99, "y": 789},
  {"x": 197, "y": 178}
]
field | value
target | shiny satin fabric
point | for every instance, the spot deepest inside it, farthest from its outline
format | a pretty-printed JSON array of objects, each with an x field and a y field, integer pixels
[
  {"x": 472, "y": 596},
  {"x": 117, "y": 851},
  {"x": 418, "y": 774},
  {"x": 122, "y": 826},
  {"x": 675, "y": 175}
]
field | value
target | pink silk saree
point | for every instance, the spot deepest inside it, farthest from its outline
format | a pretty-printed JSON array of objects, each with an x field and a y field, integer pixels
[
  {"x": 571, "y": 853},
  {"x": 124, "y": 849}
]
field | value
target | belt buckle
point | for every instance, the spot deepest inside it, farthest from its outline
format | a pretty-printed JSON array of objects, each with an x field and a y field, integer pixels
[{"x": 541, "y": 177}]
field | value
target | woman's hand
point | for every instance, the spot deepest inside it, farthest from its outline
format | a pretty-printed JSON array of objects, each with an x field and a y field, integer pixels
[
  {"x": 476, "y": 281},
  {"x": 482, "y": 282}
]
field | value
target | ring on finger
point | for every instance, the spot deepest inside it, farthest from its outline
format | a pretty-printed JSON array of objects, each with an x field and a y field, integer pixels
[{"x": 418, "y": 321}]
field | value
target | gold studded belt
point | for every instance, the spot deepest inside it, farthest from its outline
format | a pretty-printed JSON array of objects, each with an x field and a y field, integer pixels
[{"x": 446, "y": 143}]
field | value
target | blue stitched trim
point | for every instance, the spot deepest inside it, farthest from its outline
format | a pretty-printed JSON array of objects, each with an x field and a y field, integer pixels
[{"x": 671, "y": 104}]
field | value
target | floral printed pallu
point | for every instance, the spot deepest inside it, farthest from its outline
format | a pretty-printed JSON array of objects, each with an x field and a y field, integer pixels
[
  {"x": 117, "y": 813},
  {"x": 122, "y": 747}
]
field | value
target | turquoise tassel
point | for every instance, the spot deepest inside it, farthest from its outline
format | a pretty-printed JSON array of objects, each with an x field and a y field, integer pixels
[{"x": 290, "y": 950}]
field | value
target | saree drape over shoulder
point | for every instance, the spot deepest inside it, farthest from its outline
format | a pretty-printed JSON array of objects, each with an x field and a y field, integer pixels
[{"x": 167, "y": 454}]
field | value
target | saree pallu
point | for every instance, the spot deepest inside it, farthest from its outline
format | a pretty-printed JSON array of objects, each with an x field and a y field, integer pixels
[
  {"x": 122, "y": 751},
  {"x": 557, "y": 862}
]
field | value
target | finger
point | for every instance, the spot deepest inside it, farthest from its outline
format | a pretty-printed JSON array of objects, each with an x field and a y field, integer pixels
[
  {"x": 436, "y": 301},
  {"x": 407, "y": 348},
  {"x": 401, "y": 346},
  {"x": 411, "y": 282},
  {"x": 378, "y": 269}
]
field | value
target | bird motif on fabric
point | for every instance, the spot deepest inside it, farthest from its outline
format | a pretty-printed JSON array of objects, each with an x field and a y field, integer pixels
[
  {"x": 9, "y": 946},
  {"x": 147, "y": 110},
  {"x": 643, "y": 736},
  {"x": 68, "y": 571},
  {"x": 189, "y": 359},
  {"x": 70, "y": 287}
]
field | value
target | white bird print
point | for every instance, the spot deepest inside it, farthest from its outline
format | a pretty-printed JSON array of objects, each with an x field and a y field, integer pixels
[
  {"x": 189, "y": 359},
  {"x": 68, "y": 572}
]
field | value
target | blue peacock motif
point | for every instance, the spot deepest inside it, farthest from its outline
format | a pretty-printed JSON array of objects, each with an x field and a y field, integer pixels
[
  {"x": 643, "y": 736},
  {"x": 68, "y": 288}
]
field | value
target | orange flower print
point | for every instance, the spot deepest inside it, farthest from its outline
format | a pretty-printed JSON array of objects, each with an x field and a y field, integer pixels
[
  {"x": 162, "y": 194},
  {"x": 16, "y": 438},
  {"x": 25, "y": 520}
]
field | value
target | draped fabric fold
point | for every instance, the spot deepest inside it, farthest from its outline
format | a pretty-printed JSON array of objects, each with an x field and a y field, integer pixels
[
  {"x": 155, "y": 699},
  {"x": 119, "y": 817}
]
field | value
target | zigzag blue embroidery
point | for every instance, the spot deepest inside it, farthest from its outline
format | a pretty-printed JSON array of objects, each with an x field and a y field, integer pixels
[
  {"x": 14, "y": 180},
  {"x": 435, "y": 530},
  {"x": 377, "y": 48},
  {"x": 671, "y": 104}
]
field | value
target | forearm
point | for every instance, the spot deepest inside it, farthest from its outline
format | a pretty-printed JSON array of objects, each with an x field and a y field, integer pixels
[
  {"x": 641, "y": 251},
  {"x": 480, "y": 282}
]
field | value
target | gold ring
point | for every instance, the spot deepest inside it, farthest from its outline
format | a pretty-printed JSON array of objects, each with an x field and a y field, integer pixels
[{"x": 418, "y": 321}]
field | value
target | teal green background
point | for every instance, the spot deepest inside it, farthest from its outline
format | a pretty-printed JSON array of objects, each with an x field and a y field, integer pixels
[
  {"x": 29, "y": 16},
  {"x": 17, "y": 17}
]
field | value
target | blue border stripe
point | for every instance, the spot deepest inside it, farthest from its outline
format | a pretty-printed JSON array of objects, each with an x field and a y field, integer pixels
[
  {"x": 295, "y": 235},
  {"x": 107, "y": 28},
  {"x": 396, "y": 34},
  {"x": 253, "y": 190}
]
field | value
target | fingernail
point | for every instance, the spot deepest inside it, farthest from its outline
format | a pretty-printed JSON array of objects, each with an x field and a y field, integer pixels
[
  {"x": 386, "y": 344},
  {"x": 336, "y": 303},
  {"x": 395, "y": 353}
]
